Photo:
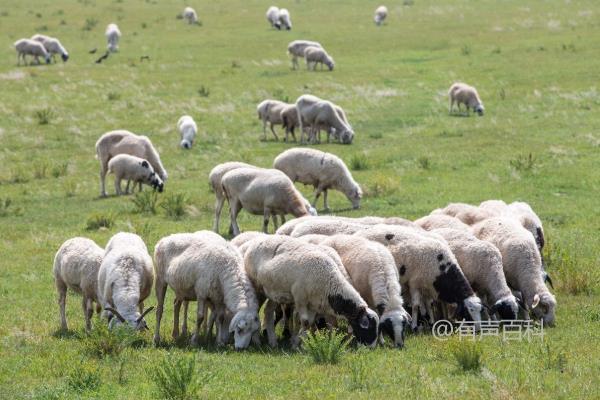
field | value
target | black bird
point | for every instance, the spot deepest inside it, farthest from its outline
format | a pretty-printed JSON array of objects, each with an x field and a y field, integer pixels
[
  {"x": 93, "y": 51},
  {"x": 104, "y": 57}
]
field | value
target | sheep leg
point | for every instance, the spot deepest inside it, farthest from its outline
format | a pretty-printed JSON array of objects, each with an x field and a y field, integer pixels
[
  {"x": 184, "y": 327},
  {"x": 88, "y": 311},
  {"x": 264, "y": 129},
  {"x": 273, "y": 130},
  {"x": 160, "y": 289},
  {"x": 218, "y": 207},
  {"x": 199, "y": 319},
  {"x": 176, "y": 309},
  {"x": 118, "y": 186},
  {"x": 293, "y": 134},
  {"x": 266, "y": 217},
  {"x": 270, "y": 322},
  {"x": 429, "y": 307},
  {"x": 140, "y": 186},
  {"x": 127, "y": 187},
  {"x": 234, "y": 207},
  {"x": 451, "y": 105},
  {"x": 325, "y": 199},
  {"x": 62, "y": 297},
  {"x": 415, "y": 303},
  {"x": 102, "y": 178}
]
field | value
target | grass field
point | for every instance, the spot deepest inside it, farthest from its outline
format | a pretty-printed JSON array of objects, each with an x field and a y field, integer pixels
[{"x": 535, "y": 64}]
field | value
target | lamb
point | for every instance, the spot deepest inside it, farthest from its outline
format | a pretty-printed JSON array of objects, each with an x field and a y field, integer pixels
[
  {"x": 124, "y": 142},
  {"x": 262, "y": 192},
  {"x": 135, "y": 169},
  {"x": 373, "y": 274},
  {"x": 202, "y": 266},
  {"x": 214, "y": 178},
  {"x": 317, "y": 55},
  {"x": 270, "y": 111},
  {"x": 289, "y": 120},
  {"x": 435, "y": 221},
  {"x": 52, "y": 46},
  {"x": 28, "y": 47},
  {"x": 189, "y": 14},
  {"x": 380, "y": 14},
  {"x": 188, "y": 130},
  {"x": 317, "y": 113},
  {"x": 284, "y": 19},
  {"x": 125, "y": 280},
  {"x": 273, "y": 17},
  {"x": 428, "y": 270},
  {"x": 76, "y": 266},
  {"x": 288, "y": 227},
  {"x": 481, "y": 262},
  {"x": 292, "y": 272},
  {"x": 321, "y": 170},
  {"x": 113, "y": 35},
  {"x": 521, "y": 262},
  {"x": 461, "y": 93},
  {"x": 296, "y": 48}
]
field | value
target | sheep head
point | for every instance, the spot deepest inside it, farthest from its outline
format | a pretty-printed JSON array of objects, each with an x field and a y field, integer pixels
[
  {"x": 244, "y": 324},
  {"x": 394, "y": 324},
  {"x": 543, "y": 307},
  {"x": 507, "y": 308}
]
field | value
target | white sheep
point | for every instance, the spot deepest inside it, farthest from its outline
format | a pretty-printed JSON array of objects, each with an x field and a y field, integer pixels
[
  {"x": 125, "y": 280},
  {"x": 435, "y": 221},
  {"x": 467, "y": 213},
  {"x": 428, "y": 270},
  {"x": 291, "y": 271},
  {"x": 321, "y": 170},
  {"x": 124, "y": 142},
  {"x": 76, "y": 266},
  {"x": 202, "y": 266},
  {"x": 317, "y": 114},
  {"x": 289, "y": 120},
  {"x": 187, "y": 130},
  {"x": 521, "y": 262},
  {"x": 461, "y": 93},
  {"x": 381, "y": 13},
  {"x": 296, "y": 48},
  {"x": 133, "y": 169},
  {"x": 325, "y": 226},
  {"x": 273, "y": 17},
  {"x": 317, "y": 55},
  {"x": 28, "y": 47},
  {"x": 52, "y": 46},
  {"x": 284, "y": 19},
  {"x": 190, "y": 15},
  {"x": 113, "y": 35},
  {"x": 267, "y": 192},
  {"x": 214, "y": 180},
  {"x": 245, "y": 237},
  {"x": 288, "y": 227},
  {"x": 270, "y": 111}
]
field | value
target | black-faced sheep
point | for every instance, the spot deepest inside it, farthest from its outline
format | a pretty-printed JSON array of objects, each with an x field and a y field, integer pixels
[
  {"x": 461, "y": 93},
  {"x": 381, "y": 13},
  {"x": 133, "y": 169},
  {"x": 52, "y": 46}
]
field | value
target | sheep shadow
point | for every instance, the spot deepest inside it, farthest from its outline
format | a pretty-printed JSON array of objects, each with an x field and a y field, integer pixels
[{"x": 459, "y": 115}]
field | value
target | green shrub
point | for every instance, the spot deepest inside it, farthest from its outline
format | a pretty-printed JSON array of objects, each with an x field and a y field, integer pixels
[
  {"x": 359, "y": 162},
  {"x": 102, "y": 342},
  {"x": 90, "y": 23},
  {"x": 40, "y": 170},
  {"x": 44, "y": 116},
  {"x": 174, "y": 205},
  {"x": 204, "y": 91},
  {"x": 524, "y": 163},
  {"x": 97, "y": 221},
  {"x": 325, "y": 347},
  {"x": 84, "y": 378},
  {"x": 424, "y": 162},
  {"x": 60, "y": 169},
  {"x": 145, "y": 202},
  {"x": 175, "y": 378},
  {"x": 468, "y": 354}
]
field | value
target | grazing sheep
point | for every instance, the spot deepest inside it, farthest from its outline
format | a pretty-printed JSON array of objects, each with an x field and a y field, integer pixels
[
  {"x": 288, "y": 227},
  {"x": 273, "y": 17},
  {"x": 291, "y": 271},
  {"x": 52, "y": 46},
  {"x": 113, "y": 35},
  {"x": 284, "y": 19},
  {"x": 435, "y": 221},
  {"x": 28, "y": 47},
  {"x": 461, "y": 93},
  {"x": 289, "y": 120},
  {"x": 214, "y": 179},
  {"x": 263, "y": 192},
  {"x": 76, "y": 266},
  {"x": 481, "y": 262},
  {"x": 245, "y": 237},
  {"x": 125, "y": 280},
  {"x": 135, "y": 169},
  {"x": 188, "y": 130},
  {"x": 428, "y": 270},
  {"x": 327, "y": 227},
  {"x": 321, "y": 170},
  {"x": 189, "y": 14},
  {"x": 380, "y": 14},
  {"x": 202, "y": 266},
  {"x": 466, "y": 213},
  {"x": 521, "y": 263},
  {"x": 317, "y": 113},
  {"x": 270, "y": 111},
  {"x": 374, "y": 275},
  {"x": 124, "y": 142},
  {"x": 296, "y": 48},
  {"x": 317, "y": 55}
]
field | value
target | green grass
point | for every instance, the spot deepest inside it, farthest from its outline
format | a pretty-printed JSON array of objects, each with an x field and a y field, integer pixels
[{"x": 535, "y": 65}]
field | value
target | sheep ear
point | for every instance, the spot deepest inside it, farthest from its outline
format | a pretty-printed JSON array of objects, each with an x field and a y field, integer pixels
[
  {"x": 389, "y": 236},
  {"x": 536, "y": 301},
  {"x": 145, "y": 164},
  {"x": 549, "y": 280}
]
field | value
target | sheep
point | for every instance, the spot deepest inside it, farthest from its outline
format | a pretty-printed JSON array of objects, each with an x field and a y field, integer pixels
[
  {"x": 202, "y": 266},
  {"x": 124, "y": 142},
  {"x": 262, "y": 192},
  {"x": 467, "y": 213},
  {"x": 273, "y": 17},
  {"x": 289, "y": 120},
  {"x": 291, "y": 271},
  {"x": 113, "y": 34},
  {"x": 317, "y": 113},
  {"x": 214, "y": 179},
  {"x": 381, "y": 13},
  {"x": 52, "y": 46},
  {"x": 245, "y": 237},
  {"x": 296, "y": 48},
  {"x": 28, "y": 47},
  {"x": 327, "y": 227},
  {"x": 481, "y": 262},
  {"x": 270, "y": 111},
  {"x": 373, "y": 274},
  {"x": 125, "y": 280},
  {"x": 321, "y": 170},
  {"x": 317, "y": 55},
  {"x": 288, "y": 227},
  {"x": 76, "y": 266},
  {"x": 435, "y": 221},
  {"x": 190, "y": 15},
  {"x": 461, "y": 93},
  {"x": 188, "y": 130},
  {"x": 521, "y": 262},
  {"x": 284, "y": 19},
  {"x": 428, "y": 270},
  {"x": 135, "y": 169}
]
